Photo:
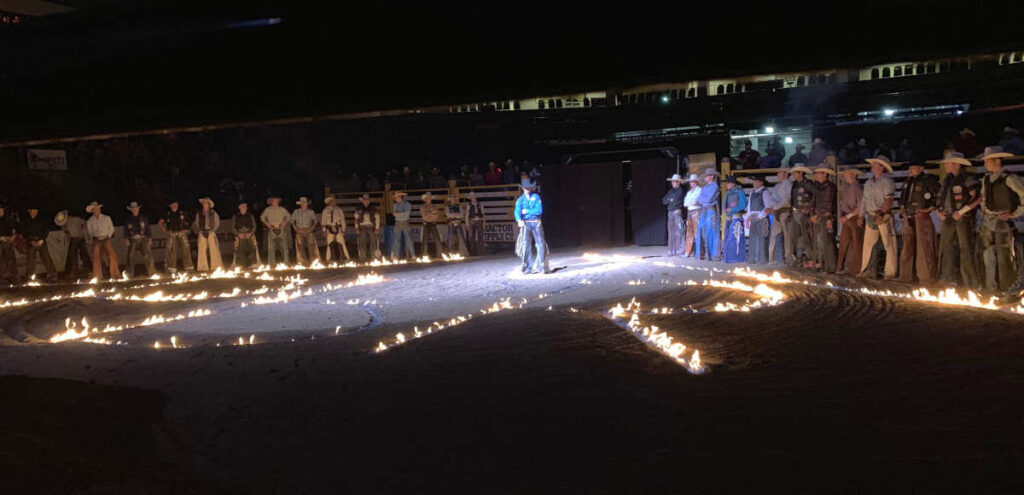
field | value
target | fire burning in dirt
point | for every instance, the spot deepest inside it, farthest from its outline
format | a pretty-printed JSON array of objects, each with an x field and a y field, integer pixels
[{"x": 654, "y": 337}]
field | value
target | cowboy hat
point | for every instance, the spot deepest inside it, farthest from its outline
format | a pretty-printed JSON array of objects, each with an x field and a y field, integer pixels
[
  {"x": 711, "y": 171},
  {"x": 1010, "y": 130},
  {"x": 849, "y": 170},
  {"x": 367, "y": 197},
  {"x": 956, "y": 157},
  {"x": 802, "y": 169},
  {"x": 994, "y": 152},
  {"x": 801, "y": 146},
  {"x": 273, "y": 196},
  {"x": 818, "y": 140},
  {"x": 528, "y": 184},
  {"x": 399, "y": 194},
  {"x": 426, "y": 195},
  {"x": 330, "y": 198},
  {"x": 133, "y": 205},
  {"x": 675, "y": 177},
  {"x": 302, "y": 201},
  {"x": 693, "y": 178},
  {"x": 471, "y": 195},
  {"x": 60, "y": 218},
  {"x": 826, "y": 170},
  {"x": 88, "y": 209},
  {"x": 965, "y": 132},
  {"x": 731, "y": 179},
  {"x": 881, "y": 160},
  {"x": 206, "y": 200}
]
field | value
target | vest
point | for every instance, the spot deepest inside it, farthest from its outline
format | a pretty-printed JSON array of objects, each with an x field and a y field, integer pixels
[
  {"x": 244, "y": 223},
  {"x": 999, "y": 196},
  {"x": 176, "y": 221},
  {"x": 920, "y": 193},
  {"x": 803, "y": 195},
  {"x": 475, "y": 210},
  {"x": 756, "y": 201},
  {"x": 956, "y": 190}
]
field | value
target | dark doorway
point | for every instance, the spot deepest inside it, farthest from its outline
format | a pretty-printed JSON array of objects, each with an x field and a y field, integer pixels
[
  {"x": 601, "y": 208},
  {"x": 648, "y": 216}
]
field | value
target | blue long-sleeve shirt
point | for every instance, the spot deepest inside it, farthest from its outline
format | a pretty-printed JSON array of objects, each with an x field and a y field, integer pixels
[
  {"x": 708, "y": 195},
  {"x": 735, "y": 201},
  {"x": 528, "y": 208}
]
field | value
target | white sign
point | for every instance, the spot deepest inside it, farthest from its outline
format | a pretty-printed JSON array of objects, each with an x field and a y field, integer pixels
[
  {"x": 500, "y": 232},
  {"x": 47, "y": 160}
]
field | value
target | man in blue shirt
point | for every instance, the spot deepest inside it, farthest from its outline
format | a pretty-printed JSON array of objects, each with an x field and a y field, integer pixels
[
  {"x": 707, "y": 225},
  {"x": 527, "y": 212},
  {"x": 735, "y": 205}
]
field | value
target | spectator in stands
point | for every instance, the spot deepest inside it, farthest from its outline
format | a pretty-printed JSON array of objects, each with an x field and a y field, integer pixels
[
  {"x": 863, "y": 152},
  {"x": 883, "y": 149},
  {"x": 462, "y": 176},
  {"x": 510, "y": 174},
  {"x": 818, "y": 153},
  {"x": 420, "y": 181},
  {"x": 903, "y": 152},
  {"x": 354, "y": 183},
  {"x": 799, "y": 157},
  {"x": 436, "y": 180},
  {"x": 493, "y": 176},
  {"x": 372, "y": 184},
  {"x": 773, "y": 155},
  {"x": 967, "y": 143},
  {"x": 848, "y": 154},
  {"x": 407, "y": 178},
  {"x": 749, "y": 158},
  {"x": 476, "y": 178},
  {"x": 1012, "y": 142},
  {"x": 535, "y": 170}
]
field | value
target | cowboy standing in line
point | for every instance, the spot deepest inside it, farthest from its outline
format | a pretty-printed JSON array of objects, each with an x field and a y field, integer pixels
[
  {"x": 430, "y": 214},
  {"x": 206, "y": 223},
  {"x": 8, "y": 263},
  {"x": 275, "y": 218},
  {"x": 101, "y": 229},
  {"x": 243, "y": 226},
  {"x": 673, "y": 201},
  {"x": 708, "y": 226},
  {"x": 333, "y": 221},
  {"x": 1002, "y": 200},
  {"x": 528, "y": 211},
  {"x": 456, "y": 215},
  {"x": 920, "y": 193},
  {"x": 800, "y": 228},
  {"x": 75, "y": 233},
  {"x": 138, "y": 236},
  {"x": 402, "y": 231},
  {"x": 876, "y": 213},
  {"x": 757, "y": 224},
  {"x": 367, "y": 222},
  {"x": 36, "y": 231},
  {"x": 304, "y": 223},
  {"x": 177, "y": 225},
  {"x": 959, "y": 196},
  {"x": 851, "y": 235},
  {"x": 477, "y": 221},
  {"x": 823, "y": 220},
  {"x": 778, "y": 205},
  {"x": 692, "y": 214},
  {"x": 734, "y": 249}
]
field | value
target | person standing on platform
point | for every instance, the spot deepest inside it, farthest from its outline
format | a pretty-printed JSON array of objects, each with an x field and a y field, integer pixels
[
  {"x": 138, "y": 238},
  {"x": 920, "y": 193},
  {"x": 778, "y": 201},
  {"x": 8, "y": 263},
  {"x": 708, "y": 227},
  {"x": 275, "y": 218},
  {"x": 455, "y": 216},
  {"x": 757, "y": 224},
  {"x": 367, "y": 222},
  {"x": 823, "y": 222},
  {"x": 749, "y": 158},
  {"x": 429, "y": 233},
  {"x": 304, "y": 222},
  {"x": 101, "y": 230},
  {"x": 177, "y": 225},
  {"x": 798, "y": 158},
  {"x": 876, "y": 213},
  {"x": 403, "y": 232},
  {"x": 1002, "y": 200},
  {"x": 673, "y": 201},
  {"x": 36, "y": 231},
  {"x": 206, "y": 223},
  {"x": 528, "y": 211},
  {"x": 476, "y": 220},
  {"x": 77, "y": 261},
  {"x": 243, "y": 226},
  {"x": 692, "y": 213},
  {"x": 851, "y": 233},
  {"x": 333, "y": 221},
  {"x": 735, "y": 205},
  {"x": 800, "y": 228},
  {"x": 959, "y": 196}
]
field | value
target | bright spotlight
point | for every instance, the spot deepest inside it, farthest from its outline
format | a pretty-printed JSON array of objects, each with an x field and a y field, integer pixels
[
  {"x": 769, "y": 129},
  {"x": 789, "y": 140},
  {"x": 664, "y": 98},
  {"x": 889, "y": 112}
]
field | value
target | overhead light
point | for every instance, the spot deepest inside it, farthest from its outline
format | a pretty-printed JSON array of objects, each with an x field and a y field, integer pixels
[
  {"x": 889, "y": 112},
  {"x": 769, "y": 129},
  {"x": 664, "y": 98},
  {"x": 789, "y": 140}
]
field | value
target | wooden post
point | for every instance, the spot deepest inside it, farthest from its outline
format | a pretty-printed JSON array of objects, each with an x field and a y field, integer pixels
[
  {"x": 389, "y": 205},
  {"x": 726, "y": 170}
]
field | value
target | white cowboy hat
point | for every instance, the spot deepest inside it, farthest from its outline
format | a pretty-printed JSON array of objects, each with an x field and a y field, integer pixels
[
  {"x": 133, "y": 205},
  {"x": 881, "y": 160},
  {"x": 675, "y": 177},
  {"x": 965, "y": 131},
  {"x": 849, "y": 170},
  {"x": 801, "y": 168},
  {"x": 398, "y": 194},
  {"x": 60, "y": 219},
  {"x": 956, "y": 157},
  {"x": 426, "y": 195},
  {"x": 471, "y": 195},
  {"x": 693, "y": 178},
  {"x": 711, "y": 171},
  {"x": 88, "y": 209},
  {"x": 994, "y": 152},
  {"x": 825, "y": 170},
  {"x": 330, "y": 198},
  {"x": 206, "y": 200},
  {"x": 302, "y": 201}
]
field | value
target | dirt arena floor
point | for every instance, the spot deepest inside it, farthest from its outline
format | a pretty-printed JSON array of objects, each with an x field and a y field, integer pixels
[{"x": 299, "y": 382}]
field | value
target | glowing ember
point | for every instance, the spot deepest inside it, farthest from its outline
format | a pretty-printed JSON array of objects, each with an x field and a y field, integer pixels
[{"x": 654, "y": 337}]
